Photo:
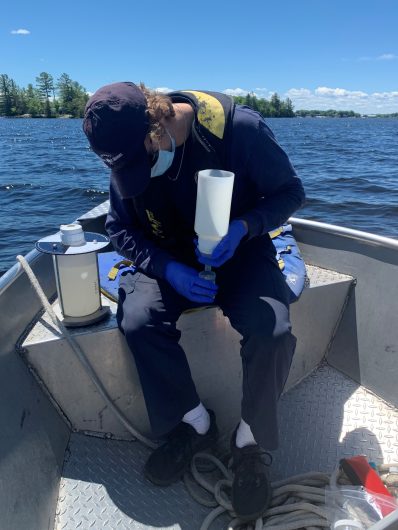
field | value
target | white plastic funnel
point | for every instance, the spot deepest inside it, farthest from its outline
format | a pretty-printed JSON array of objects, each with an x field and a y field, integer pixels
[{"x": 213, "y": 207}]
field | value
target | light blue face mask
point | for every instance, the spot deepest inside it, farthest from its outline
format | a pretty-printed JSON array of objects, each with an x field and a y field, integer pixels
[{"x": 164, "y": 160}]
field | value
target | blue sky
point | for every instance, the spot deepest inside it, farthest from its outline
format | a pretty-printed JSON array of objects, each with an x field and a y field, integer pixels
[{"x": 321, "y": 54}]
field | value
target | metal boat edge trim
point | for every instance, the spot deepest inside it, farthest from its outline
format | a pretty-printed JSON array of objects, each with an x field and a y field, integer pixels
[
  {"x": 368, "y": 237},
  {"x": 16, "y": 270}
]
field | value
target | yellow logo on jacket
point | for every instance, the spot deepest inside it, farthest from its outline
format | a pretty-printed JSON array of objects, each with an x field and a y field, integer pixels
[
  {"x": 156, "y": 226},
  {"x": 211, "y": 113}
]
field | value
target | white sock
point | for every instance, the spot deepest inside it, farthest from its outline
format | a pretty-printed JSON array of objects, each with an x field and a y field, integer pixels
[
  {"x": 198, "y": 418},
  {"x": 244, "y": 435}
]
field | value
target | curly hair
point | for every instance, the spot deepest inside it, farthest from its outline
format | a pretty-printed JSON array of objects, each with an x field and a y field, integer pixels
[{"x": 159, "y": 106}]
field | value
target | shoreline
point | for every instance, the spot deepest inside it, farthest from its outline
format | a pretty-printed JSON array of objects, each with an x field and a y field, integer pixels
[
  {"x": 29, "y": 116},
  {"x": 319, "y": 116}
]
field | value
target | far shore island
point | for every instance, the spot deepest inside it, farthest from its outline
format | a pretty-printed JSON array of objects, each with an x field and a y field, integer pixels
[{"x": 66, "y": 99}]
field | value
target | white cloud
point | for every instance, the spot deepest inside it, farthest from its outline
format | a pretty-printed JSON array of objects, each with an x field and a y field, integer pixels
[
  {"x": 236, "y": 91},
  {"x": 20, "y": 32},
  {"x": 258, "y": 92},
  {"x": 164, "y": 89},
  {"x": 298, "y": 92},
  {"x": 263, "y": 92},
  {"x": 387, "y": 57},
  {"x": 382, "y": 57},
  {"x": 325, "y": 91},
  {"x": 323, "y": 98},
  {"x": 339, "y": 92},
  {"x": 385, "y": 95}
]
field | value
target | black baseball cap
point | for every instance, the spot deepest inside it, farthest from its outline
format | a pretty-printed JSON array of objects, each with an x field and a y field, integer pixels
[{"x": 116, "y": 124}]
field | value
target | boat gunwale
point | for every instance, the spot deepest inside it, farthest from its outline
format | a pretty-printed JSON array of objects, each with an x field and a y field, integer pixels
[
  {"x": 351, "y": 233},
  {"x": 16, "y": 270}
]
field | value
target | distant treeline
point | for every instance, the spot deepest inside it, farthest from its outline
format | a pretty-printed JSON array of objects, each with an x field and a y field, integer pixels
[
  {"x": 277, "y": 108},
  {"x": 63, "y": 97},
  {"x": 273, "y": 108},
  {"x": 327, "y": 114},
  {"x": 46, "y": 99}
]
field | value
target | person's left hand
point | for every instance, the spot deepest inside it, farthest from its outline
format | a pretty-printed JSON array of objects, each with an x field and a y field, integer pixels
[{"x": 226, "y": 247}]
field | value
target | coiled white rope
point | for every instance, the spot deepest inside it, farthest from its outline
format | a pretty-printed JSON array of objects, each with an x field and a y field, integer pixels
[{"x": 297, "y": 502}]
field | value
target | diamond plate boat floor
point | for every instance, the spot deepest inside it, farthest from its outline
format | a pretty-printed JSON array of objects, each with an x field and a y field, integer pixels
[{"x": 327, "y": 416}]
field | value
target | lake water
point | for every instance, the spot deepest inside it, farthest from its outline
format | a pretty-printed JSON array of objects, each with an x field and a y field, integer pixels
[{"x": 48, "y": 175}]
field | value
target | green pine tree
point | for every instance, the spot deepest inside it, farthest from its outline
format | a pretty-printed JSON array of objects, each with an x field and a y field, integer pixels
[
  {"x": 5, "y": 95},
  {"x": 45, "y": 87}
]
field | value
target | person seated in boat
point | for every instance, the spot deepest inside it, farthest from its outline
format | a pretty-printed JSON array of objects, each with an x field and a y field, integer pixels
[{"x": 155, "y": 144}]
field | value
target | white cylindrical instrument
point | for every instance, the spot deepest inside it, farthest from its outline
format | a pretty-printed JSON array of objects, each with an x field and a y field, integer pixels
[
  {"x": 76, "y": 273},
  {"x": 213, "y": 207},
  {"x": 78, "y": 284}
]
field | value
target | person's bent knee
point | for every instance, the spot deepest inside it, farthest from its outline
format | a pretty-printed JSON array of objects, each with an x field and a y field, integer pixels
[
  {"x": 143, "y": 326},
  {"x": 134, "y": 322},
  {"x": 282, "y": 323},
  {"x": 270, "y": 320}
]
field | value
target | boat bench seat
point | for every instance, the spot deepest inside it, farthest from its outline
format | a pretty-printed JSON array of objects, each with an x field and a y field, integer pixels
[{"x": 208, "y": 340}]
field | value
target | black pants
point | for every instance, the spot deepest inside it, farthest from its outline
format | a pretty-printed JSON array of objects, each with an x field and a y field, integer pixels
[{"x": 254, "y": 296}]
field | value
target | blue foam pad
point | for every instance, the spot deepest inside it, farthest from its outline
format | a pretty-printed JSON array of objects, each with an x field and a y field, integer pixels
[
  {"x": 290, "y": 261},
  {"x": 112, "y": 263}
]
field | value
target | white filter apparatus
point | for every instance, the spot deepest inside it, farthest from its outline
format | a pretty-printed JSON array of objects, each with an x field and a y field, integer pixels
[
  {"x": 78, "y": 284},
  {"x": 213, "y": 207},
  {"x": 76, "y": 273}
]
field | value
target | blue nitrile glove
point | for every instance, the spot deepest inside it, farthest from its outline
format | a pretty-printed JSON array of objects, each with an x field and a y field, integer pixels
[
  {"x": 226, "y": 247},
  {"x": 186, "y": 281}
]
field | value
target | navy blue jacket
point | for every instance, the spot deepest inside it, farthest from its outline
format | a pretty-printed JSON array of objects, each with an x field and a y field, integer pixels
[{"x": 158, "y": 225}]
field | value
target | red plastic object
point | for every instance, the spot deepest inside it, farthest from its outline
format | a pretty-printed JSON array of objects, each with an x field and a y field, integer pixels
[{"x": 361, "y": 473}]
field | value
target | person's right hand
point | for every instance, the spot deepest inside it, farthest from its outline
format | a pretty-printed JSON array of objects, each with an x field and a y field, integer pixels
[{"x": 186, "y": 281}]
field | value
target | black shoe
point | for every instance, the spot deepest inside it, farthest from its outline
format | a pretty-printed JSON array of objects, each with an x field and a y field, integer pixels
[
  {"x": 168, "y": 463},
  {"x": 251, "y": 486}
]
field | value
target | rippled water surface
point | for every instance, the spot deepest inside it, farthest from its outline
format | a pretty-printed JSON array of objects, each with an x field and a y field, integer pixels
[{"x": 48, "y": 176}]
